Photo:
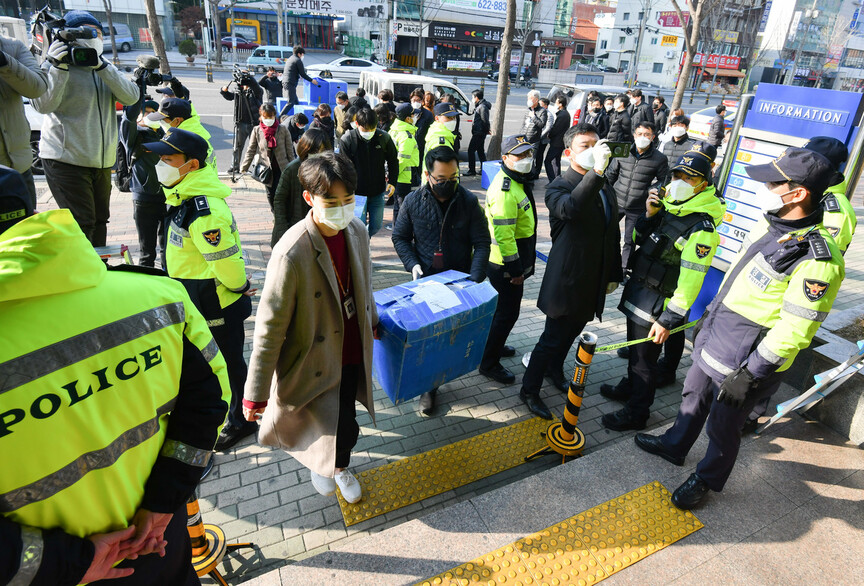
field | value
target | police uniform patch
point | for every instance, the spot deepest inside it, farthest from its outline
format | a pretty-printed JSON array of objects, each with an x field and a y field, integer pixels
[
  {"x": 815, "y": 290},
  {"x": 758, "y": 279},
  {"x": 831, "y": 204},
  {"x": 201, "y": 203},
  {"x": 505, "y": 184},
  {"x": 213, "y": 237},
  {"x": 442, "y": 140},
  {"x": 175, "y": 239},
  {"x": 702, "y": 251}
]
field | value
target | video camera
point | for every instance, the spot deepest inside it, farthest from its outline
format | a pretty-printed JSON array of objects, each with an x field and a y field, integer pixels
[
  {"x": 47, "y": 28},
  {"x": 146, "y": 71},
  {"x": 241, "y": 76}
]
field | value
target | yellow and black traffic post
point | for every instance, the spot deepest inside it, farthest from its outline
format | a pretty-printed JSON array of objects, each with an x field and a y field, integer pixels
[
  {"x": 564, "y": 437},
  {"x": 208, "y": 70},
  {"x": 208, "y": 543}
]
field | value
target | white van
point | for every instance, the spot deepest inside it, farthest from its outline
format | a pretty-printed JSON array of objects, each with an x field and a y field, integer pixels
[
  {"x": 122, "y": 36},
  {"x": 268, "y": 56},
  {"x": 402, "y": 84}
]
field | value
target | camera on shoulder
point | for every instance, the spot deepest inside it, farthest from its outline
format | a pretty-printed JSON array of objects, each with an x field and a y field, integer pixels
[{"x": 47, "y": 28}]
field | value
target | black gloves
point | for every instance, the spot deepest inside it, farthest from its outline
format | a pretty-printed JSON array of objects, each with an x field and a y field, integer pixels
[{"x": 737, "y": 387}]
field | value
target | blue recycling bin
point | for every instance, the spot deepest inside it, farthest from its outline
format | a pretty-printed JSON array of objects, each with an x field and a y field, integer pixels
[
  {"x": 281, "y": 103},
  {"x": 324, "y": 93},
  {"x": 490, "y": 169},
  {"x": 431, "y": 331}
]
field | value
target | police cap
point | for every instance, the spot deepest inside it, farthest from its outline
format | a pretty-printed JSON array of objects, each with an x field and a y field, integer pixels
[
  {"x": 178, "y": 141},
  {"x": 832, "y": 149},
  {"x": 802, "y": 166},
  {"x": 516, "y": 145},
  {"x": 172, "y": 108},
  {"x": 694, "y": 164},
  {"x": 403, "y": 111},
  {"x": 446, "y": 109}
]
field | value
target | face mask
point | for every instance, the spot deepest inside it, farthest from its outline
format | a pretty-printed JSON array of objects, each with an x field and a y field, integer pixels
[
  {"x": 595, "y": 110},
  {"x": 585, "y": 159},
  {"x": 301, "y": 57},
  {"x": 769, "y": 201},
  {"x": 268, "y": 121},
  {"x": 609, "y": 107},
  {"x": 642, "y": 142},
  {"x": 680, "y": 191},
  {"x": 450, "y": 125},
  {"x": 366, "y": 134},
  {"x": 444, "y": 189},
  {"x": 336, "y": 218},
  {"x": 165, "y": 125},
  {"x": 353, "y": 125},
  {"x": 168, "y": 175},
  {"x": 678, "y": 131},
  {"x": 92, "y": 44},
  {"x": 416, "y": 105},
  {"x": 530, "y": 104},
  {"x": 523, "y": 165},
  {"x": 154, "y": 124}
]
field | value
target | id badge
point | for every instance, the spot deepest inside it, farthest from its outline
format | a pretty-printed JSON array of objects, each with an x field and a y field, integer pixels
[
  {"x": 350, "y": 307},
  {"x": 438, "y": 261}
]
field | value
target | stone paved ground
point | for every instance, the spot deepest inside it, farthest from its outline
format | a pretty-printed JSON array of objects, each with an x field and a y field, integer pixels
[{"x": 262, "y": 495}]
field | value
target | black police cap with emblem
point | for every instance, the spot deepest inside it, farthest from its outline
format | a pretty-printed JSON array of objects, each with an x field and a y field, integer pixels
[
  {"x": 829, "y": 147},
  {"x": 515, "y": 145},
  {"x": 403, "y": 111},
  {"x": 704, "y": 149},
  {"x": 808, "y": 168},
  {"x": 178, "y": 141},
  {"x": 446, "y": 109},
  {"x": 694, "y": 164}
]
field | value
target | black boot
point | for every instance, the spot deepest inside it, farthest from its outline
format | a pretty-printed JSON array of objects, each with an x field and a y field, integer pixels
[
  {"x": 535, "y": 405},
  {"x": 691, "y": 493},
  {"x": 620, "y": 392}
]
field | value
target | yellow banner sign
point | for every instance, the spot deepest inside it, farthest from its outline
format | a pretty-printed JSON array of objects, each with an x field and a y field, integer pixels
[
  {"x": 727, "y": 36},
  {"x": 669, "y": 41}
]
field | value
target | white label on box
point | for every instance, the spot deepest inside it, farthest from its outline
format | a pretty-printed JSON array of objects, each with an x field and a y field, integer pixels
[{"x": 437, "y": 296}]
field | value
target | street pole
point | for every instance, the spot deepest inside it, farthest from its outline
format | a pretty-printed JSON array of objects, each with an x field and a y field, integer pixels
[
  {"x": 206, "y": 30},
  {"x": 280, "y": 17},
  {"x": 631, "y": 78},
  {"x": 420, "y": 43},
  {"x": 233, "y": 38}
]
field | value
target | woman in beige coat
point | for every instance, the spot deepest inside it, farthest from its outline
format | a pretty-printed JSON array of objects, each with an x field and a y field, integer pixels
[
  {"x": 272, "y": 143},
  {"x": 316, "y": 307}
]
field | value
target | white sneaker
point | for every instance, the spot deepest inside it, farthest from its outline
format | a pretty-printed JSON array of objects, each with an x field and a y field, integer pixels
[
  {"x": 349, "y": 486},
  {"x": 325, "y": 486}
]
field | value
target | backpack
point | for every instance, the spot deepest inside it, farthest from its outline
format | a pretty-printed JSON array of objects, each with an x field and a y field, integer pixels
[{"x": 122, "y": 169}]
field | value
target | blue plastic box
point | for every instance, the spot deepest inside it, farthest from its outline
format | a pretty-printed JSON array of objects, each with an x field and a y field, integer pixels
[
  {"x": 431, "y": 331},
  {"x": 326, "y": 92},
  {"x": 360, "y": 207},
  {"x": 490, "y": 169}
]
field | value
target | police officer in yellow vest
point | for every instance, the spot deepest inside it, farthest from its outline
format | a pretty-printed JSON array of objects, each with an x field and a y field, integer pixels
[
  {"x": 513, "y": 226},
  {"x": 675, "y": 243},
  {"x": 112, "y": 392},
  {"x": 204, "y": 254},
  {"x": 442, "y": 132},
  {"x": 775, "y": 295},
  {"x": 404, "y": 135},
  {"x": 179, "y": 113}
]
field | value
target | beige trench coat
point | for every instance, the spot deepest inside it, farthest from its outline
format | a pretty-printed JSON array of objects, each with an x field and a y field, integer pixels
[{"x": 297, "y": 348}]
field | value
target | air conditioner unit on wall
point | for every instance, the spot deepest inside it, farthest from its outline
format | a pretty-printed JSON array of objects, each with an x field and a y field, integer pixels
[{"x": 670, "y": 54}]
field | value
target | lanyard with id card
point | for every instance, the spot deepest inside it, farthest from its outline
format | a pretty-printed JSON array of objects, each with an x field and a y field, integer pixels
[{"x": 348, "y": 303}]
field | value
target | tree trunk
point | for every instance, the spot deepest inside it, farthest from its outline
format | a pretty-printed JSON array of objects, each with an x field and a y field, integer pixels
[
  {"x": 217, "y": 31},
  {"x": 156, "y": 36},
  {"x": 110, "y": 19},
  {"x": 494, "y": 151},
  {"x": 689, "y": 45}
]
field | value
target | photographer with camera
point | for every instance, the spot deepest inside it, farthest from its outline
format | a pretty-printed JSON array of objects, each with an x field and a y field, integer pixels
[
  {"x": 79, "y": 134},
  {"x": 247, "y": 97},
  {"x": 19, "y": 76}
]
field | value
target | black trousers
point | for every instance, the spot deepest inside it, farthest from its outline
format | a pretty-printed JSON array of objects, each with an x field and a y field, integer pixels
[
  {"x": 699, "y": 405},
  {"x": 539, "y": 149},
  {"x": 641, "y": 370},
  {"x": 274, "y": 183},
  {"x": 243, "y": 130},
  {"x": 477, "y": 146},
  {"x": 402, "y": 191},
  {"x": 553, "y": 162},
  {"x": 175, "y": 568},
  {"x": 506, "y": 314},
  {"x": 149, "y": 219},
  {"x": 550, "y": 351},
  {"x": 630, "y": 217},
  {"x": 347, "y": 429},
  {"x": 230, "y": 338},
  {"x": 84, "y": 191},
  {"x": 673, "y": 349},
  {"x": 291, "y": 95}
]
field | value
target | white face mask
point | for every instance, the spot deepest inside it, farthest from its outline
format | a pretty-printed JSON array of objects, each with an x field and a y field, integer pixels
[
  {"x": 165, "y": 125},
  {"x": 769, "y": 201},
  {"x": 523, "y": 165},
  {"x": 585, "y": 159},
  {"x": 642, "y": 142},
  {"x": 530, "y": 104},
  {"x": 678, "y": 131},
  {"x": 609, "y": 107},
  {"x": 416, "y": 105},
  {"x": 168, "y": 175},
  {"x": 450, "y": 125},
  {"x": 268, "y": 121},
  {"x": 154, "y": 124},
  {"x": 92, "y": 44},
  {"x": 680, "y": 191},
  {"x": 336, "y": 218},
  {"x": 366, "y": 134}
]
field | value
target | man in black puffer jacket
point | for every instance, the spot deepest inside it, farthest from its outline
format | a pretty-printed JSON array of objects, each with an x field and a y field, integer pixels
[
  {"x": 641, "y": 112},
  {"x": 632, "y": 177}
]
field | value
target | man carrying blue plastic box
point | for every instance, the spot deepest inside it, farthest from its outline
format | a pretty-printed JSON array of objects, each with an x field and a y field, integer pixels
[{"x": 294, "y": 70}]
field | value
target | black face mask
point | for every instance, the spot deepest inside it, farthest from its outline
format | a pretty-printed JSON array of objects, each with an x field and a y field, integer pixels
[{"x": 444, "y": 189}]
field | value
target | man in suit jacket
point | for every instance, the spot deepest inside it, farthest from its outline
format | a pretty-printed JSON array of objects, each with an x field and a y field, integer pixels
[{"x": 556, "y": 138}]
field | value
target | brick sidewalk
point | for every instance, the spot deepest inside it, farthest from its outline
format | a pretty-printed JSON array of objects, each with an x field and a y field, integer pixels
[{"x": 262, "y": 495}]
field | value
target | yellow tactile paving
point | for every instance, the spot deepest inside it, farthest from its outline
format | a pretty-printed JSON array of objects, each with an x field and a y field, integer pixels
[
  {"x": 585, "y": 548},
  {"x": 413, "y": 479}
]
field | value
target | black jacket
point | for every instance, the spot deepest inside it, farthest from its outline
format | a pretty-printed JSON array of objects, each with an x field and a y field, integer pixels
[
  {"x": 641, "y": 113},
  {"x": 293, "y": 71},
  {"x": 673, "y": 151},
  {"x": 272, "y": 86},
  {"x": 634, "y": 176},
  {"x": 600, "y": 120},
  {"x": 464, "y": 238},
  {"x": 358, "y": 102},
  {"x": 661, "y": 116},
  {"x": 326, "y": 124},
  {"x": 141, "y": 163},
  {"x": 586, "y": 252},
  {"x": 534, "y": 123},
  {"x": 559, "y": 128},
  {"x": 247, "y": 101},
  {"x": 717, "y": 130},
  {"x": 620, "y": 129},
  {"x": 481, "y": 125},
  {"x": 289, "y": 207},
  {"x": 369, "y": 158},
  {"x": 424, "y": 121}
]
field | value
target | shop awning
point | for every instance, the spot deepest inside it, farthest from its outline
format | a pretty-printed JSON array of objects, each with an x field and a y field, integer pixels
[{"x": 723, "y": 72}]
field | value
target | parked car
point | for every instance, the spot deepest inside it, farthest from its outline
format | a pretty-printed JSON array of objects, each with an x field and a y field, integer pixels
[
  {"x": 268, "y": 56},
  {"x": 522, "y": 80},
  {"x": 345, "y": 68},
  {"x": 241, "y": 43},
  {"x": 700, "y": 121},
  {"x": 122, "y": 36}
]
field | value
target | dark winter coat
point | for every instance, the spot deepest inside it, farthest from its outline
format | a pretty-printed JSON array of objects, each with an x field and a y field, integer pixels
[
  {"x": 326, "y": 124},
  {"x": 481, "y": 125},
  {"x": 641, "y": 113},
  {"x": 559, "y": 129},
  {"x": 620, "y": 129},
  {"x": 673, "y": 151},
  {"x": 247, "y": 102},
  {"x": 273, "y": 87},
  {"x": 464, "y": 240},
  {"x": 141, "y": 163},
  {"x": 293, "y": 71},
  {"x": 717, "y": 130},
  {"x": 369, "y": 158},
  {"x": 586, "y": 252},
  {"x": 534, "y": 123},
  {"x": 289, "y": 207},
  {"x": 600, "y": 120},
  {"x": 661, "y": 116},
  {"x": 633, "y": 176}
]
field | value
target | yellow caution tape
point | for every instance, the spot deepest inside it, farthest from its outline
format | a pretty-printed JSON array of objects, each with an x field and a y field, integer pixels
[{"x": 643, "y": 340}]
